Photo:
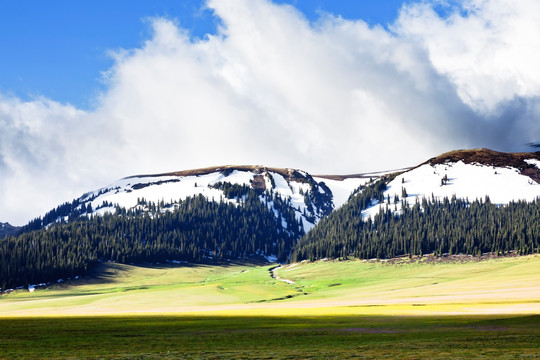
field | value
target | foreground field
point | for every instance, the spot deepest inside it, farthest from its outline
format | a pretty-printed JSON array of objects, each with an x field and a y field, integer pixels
[
  {"x": 400, "y": 309},
  {"x": 279, "y": 337},
  {"x": 426, "y": 286}
]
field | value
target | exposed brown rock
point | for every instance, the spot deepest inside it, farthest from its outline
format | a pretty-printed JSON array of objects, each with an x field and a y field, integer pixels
[{"x": 258, "y": 183}]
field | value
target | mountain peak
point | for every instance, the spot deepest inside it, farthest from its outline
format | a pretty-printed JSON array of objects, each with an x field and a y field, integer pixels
[{"x": 488, "y": 157}]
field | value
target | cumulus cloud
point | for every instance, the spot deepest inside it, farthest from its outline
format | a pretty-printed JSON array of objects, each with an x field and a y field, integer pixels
[
  {"x": 47, "y": 151},
  {"x": 489, "y": 49},
  {"x": 333, "y": 96}
]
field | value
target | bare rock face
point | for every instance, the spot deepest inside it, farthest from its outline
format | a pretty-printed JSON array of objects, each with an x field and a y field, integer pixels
[{"x": 258, "y": 183}]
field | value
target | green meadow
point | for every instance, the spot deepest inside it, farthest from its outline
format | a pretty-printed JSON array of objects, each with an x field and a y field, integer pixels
[
  {"x": 459, "y": 307},
  {"x": 424, "y": 286},
  {"x": 271, "y": 337}
]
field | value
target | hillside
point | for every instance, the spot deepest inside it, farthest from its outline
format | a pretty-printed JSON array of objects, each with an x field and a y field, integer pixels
[
  {"x": 309, "y": 197},
  {"x": 200, "y": 216},
  {"x": 525, "y": 163},
  {"x": 468, "y": 202},
  {"x": 8, "y": 230},
  {"x": 467, "y": 174},
  {"x": 463, "y": 202}
]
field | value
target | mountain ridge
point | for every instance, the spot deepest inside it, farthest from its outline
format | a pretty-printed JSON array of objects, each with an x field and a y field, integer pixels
[
  {"x": 492, "y": 158},
  {"x": 309, "y": 197},
  {"x": 233, "y": 212},
  {"x": 335, "y": 189}
]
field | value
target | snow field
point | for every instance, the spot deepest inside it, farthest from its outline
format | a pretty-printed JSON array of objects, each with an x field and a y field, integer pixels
[
  {"x": 341, "y": 189},
  {"x": 466, "y": 181},
  {"x": 127, "y": 192},
  {"x": 533, "y": 162}
]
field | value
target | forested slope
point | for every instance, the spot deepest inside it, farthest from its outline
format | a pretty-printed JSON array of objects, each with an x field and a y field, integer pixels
[
  {"x": 198, "y": 230},
  {"x": 429, "y": 226}
]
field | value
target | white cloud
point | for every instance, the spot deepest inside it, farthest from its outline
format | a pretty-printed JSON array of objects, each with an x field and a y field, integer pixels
[
  {"x": 271, "y": 88},
  {"x": 490, "y": 49},
  {"x": 46, "y": 150}
]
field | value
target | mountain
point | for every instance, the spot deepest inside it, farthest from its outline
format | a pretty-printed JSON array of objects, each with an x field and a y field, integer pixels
[
  {"x": 467, "y": 174},
  {"x": 311, "y": 198},
  {"x": 8, "y": 230},
  {"x": 467, "y": 201},
  {"x": 204, "y": 215}
]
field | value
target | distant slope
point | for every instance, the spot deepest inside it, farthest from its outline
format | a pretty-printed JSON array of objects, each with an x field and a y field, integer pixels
[
  {"x": 205, "y": 215},
  {"x": 528, "y": 164},
  {"x": 8, "y": 230},
  {"x": 236, "y": 212},
  {"x": 467, "y": 174},
  {"x": 310, "y": 198},
  {"x": 467, "y": 202}
]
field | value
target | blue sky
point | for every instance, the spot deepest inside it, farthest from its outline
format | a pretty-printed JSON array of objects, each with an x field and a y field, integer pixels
[
  {"x": 59, "y": 48},
  {"x": 329, "y": 87}
]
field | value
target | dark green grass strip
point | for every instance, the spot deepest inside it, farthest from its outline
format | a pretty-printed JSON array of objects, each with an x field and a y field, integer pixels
[{"x": 318, "y": 337}]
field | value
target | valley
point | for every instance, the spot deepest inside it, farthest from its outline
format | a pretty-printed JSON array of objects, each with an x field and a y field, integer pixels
[
  {"x": 270, "y": 179},
  {"x": 247, "y": 262},
  {"x": 402, "y": 308},
  {"x": 418, "y": 286}
]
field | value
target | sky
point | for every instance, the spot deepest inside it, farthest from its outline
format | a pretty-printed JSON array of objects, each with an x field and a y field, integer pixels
[{"x": 92, "y": 91}]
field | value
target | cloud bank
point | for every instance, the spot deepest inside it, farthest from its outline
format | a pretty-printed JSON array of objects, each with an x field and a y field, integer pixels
[{"x": 272, "y": 88}]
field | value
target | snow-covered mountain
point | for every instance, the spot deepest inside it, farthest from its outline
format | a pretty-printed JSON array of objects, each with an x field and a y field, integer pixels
[
  {"x": 467, "y": 174},
  {"x": 312, "y": 198},
  {"x": 254, "y": 212},
  {"x": 244, "y": 212}
]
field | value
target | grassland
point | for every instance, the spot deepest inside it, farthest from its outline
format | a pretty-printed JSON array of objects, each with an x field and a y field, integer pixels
[
  {"x": 277, "y": 337},
  {"x": 407, "y": 309},
  {"x": 461, "y": 285},
  {"x": 452, "y": 285}
]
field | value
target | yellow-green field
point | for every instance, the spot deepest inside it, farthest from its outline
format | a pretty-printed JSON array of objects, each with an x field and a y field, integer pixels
[
  {"x": 399, "y": 309},
  {"x": 458, "y": 285}
]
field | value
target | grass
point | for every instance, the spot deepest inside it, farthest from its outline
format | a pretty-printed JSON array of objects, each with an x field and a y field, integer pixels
[
  {"x": 507, "y": 285},
  {"x": 424, "y": 308},
  {"x": 427, "y": 281},
  {"x": 271, "y": 337},
  {"x": 118, "y": 288}
]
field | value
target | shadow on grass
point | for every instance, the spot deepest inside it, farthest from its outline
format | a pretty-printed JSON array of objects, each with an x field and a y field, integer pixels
[
  {"x": 108, "y": 272},
  {"x": 272, "y": 337}
]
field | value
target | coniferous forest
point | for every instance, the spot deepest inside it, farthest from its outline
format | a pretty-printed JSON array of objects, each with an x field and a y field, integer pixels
[
  {"x": 199, "y": 230},
  {"x": 447, "y": 226}
]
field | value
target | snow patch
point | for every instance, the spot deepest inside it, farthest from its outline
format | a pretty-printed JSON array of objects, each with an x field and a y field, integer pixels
[
  {"x": 342, "y": 189},
  {"x": 465, "y": 181},
  {"x": 177, "y": 261},
  {"x": 533, "y": 162},
  {"x": 129, "y": 192},
  {"x": 287, "y": 281}
]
